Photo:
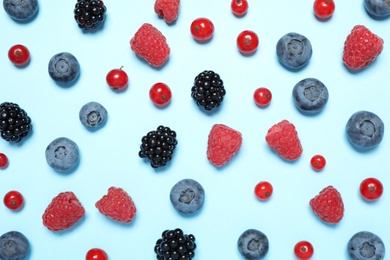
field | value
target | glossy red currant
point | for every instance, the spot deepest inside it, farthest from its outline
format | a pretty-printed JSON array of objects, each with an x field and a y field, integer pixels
[
  {"x": 13, "y": 200},
  {"x": 318, "y": 162},
  {"x": 117, "y": 79},
  {"x": 262, "y": 97},
  {"x": 324, "y": 9},
  {"x": 19, "y": 55},
  {"x": 160, "y": 94},
  {"x": 263, "y": 190},
  {"x": 303, "y": 250},
  {"x": 96, "y": 254},
  {"x": 3, "y": 161},
  {"x": 371, "y": 189},
  {"x": 247, "y": 42},
  {"x": 239, "y": 7},
  {"x": 202, "y": 29}
]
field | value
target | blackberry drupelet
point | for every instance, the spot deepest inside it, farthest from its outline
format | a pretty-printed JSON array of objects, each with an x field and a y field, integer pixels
[
  {"x": 174, "y": 244},
  {"x": 15, "y": 124},
  {"x": 158, "y": 146},
  {"x": 89, "y": 14},
  {"x": 208, "y": 90}
]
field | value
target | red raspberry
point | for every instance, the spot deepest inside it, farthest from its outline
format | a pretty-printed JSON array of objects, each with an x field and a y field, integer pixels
[
  {"x": 64, "y": 211},
  {"x": 167, "y": 9},
  {"x": 223, "y": 143},
  {"x": 328, "y": 205},
  {"x": 283, "y": 138},
  {"x": 150, "y": 44},
  {"x": 117, "y": 205},
  {"x": 361, "y": 48}
]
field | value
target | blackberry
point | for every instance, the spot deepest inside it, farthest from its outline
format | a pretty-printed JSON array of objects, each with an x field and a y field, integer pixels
[
  {"x": 158, "y": 146},
  {"x": 14, "y": 122},
  {"x": 174, "y": 244},
  {"x": 208, "y": 90},
  {"x": 89, "y": 14}
]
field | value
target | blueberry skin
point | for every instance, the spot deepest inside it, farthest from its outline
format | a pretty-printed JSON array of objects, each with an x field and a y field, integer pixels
[
  {"x": 366, "y": 245},
  {"x": 378, "y": 8},
  {"x": 14, "y": 246},
  {"x": 21, "y": 10},
  {"x": 64, "y": 68},
  {"x": 310, "y": 95},
  {"x": 187, "y": 196},
  {"x": 294, "y": 51},
  {"x": 253, "y": 244},
  {"x": 92, "y": 115},
  {"x": 62, "y": 154},
  {"x": 365, "y": 129}
]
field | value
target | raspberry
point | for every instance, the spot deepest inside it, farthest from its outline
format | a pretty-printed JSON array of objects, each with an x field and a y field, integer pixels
[
  {"x": 283, "y": 138},
  {"x": 64, "y": 211},
  {"x": 117, "y": 205},
  {"x": 167, "y": 9},
  {"x": 361, "y": 48},
  {"x": 328, "y": 205},
  {"x": 223, "y": 143},
  {"x": 150, "y": 44}
]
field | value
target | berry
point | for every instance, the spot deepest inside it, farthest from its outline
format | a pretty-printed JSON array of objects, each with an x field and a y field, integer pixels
[
  {"x": 371, "y": 189},
  {"x": 93, "y": 115},
  {"x": 328, "y": 205},
  {"x": 303, "y": 250},
  {"x": 64, "y": 68},
  {"x": 15, "y": 124},
  {"x": 223, "y": 143},
  {"x": 318, "y": 162},
  {"x": 13, "y": 200},
  {"x": 262, "y": 97},
  {"x": 117, "y": 79},
  {"x": 21, "y": 11},
  {"x": 160, "y": 94},
  {"x": 208, "y": 90},
  {"x": 63, "y": 212},
  {"x": 96, "y": 254},
  {"x": 377, "y": 8},
  {"x": 3, "y": 161},
  {"x": 323, "y": 9},
  {"x": 89, "y": 14},
  {"x": 167, "y": 9},
  {"x": 365, "y": 129},
  {"x": 14, "y": 246},
  {"x": 174, "y": 244},
  {"x": 62, "y": 154},
  {"x": 366, "y": 245},
  {"x": 150, "y": 44},
  {"x": 19, "y": 55},
  {"x": 187, "y": 196},
  {"x": 117, "y": 205},
  {"x": 294, "y": 51},
  {"x": 361, "y": 47},
  {"x": 263, "y": 190},
  {"x": 310, "y": 95},
  {"x": 253, "y": 244},
  {"x": 247, "y": 42},
  {"x": 158, "y": 146},
  {"x": 239, "y": 7},
  {"x": 202, "y": 29},
  {"x": 283, "y": 138}
]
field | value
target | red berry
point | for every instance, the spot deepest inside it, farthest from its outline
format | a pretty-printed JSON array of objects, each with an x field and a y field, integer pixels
[
  {"x": 262, "y": 97},
  {"x": 167, "y": 9},
  {"x": 318, "y": 162},
  {"x": 371, "y": 189},
  {"x": 117, "y": 79},
  {"x": 19, "y": 55},
  {"x": 13, "y": 200},
  {"x": 247, "y": 42},
  {"x": 323, "y": 9},
  {"x": 3, "y": 161},
  {"x": 239, "y": 7},
  {"x": 303, "y": 250},
  {"x": 160, "y": 94},
  {"x": 96, "y": 254},
  {"x": 263, "y": 190},
  {"x": 202, "y": 29},
  {"x": 328, "y": 205}
]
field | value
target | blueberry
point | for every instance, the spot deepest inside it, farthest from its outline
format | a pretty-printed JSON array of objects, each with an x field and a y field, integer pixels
[
  {"x": 253, "y": 244},
  {"x": 64, "y": 68},
  {"x": 310, "y": 95},
  {"x": 294, "y": 51},
  {"x": 62, "y": 154},
  {"x": 187, "y": 196},
  {"x": 93, "y": 115},
  {"x": 377, "y": 8},
  {"x": 366, "y": 245},
  {"x": 365, "y": 129},
  {"x": 21, "y": 10},
  {"x": 14, "y": 246}
]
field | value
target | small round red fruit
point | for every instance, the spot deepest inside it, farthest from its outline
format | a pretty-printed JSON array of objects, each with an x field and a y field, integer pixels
[
  {"x": 96, "y": 254},
  {"x": 13, "y": 200},
  {"x": 247, "y": 42},
  {"x": 318, "y": 162},
  {"x": 19, "y": 55},
  {"x": 3, "y": 161},
  {"x": 262, "y": 97},
  {"x": 263, "y": 190},
  {"x": 117, "y": 79},
  {"x": 323, "y": 9},
  {"x": 239, "y": 7},
  {"x": 371, "y": 189},
  {"x": 160, "y": 94},
  {"x": 202, "y": 29},
  {"x": 303, "y": 250}
]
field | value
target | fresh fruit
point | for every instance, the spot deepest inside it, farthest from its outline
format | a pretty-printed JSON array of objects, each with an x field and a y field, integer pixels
[
  {"x": 377, "y": 8},
  {"x": 318, "y": 162},
  {"x": 187, "y": 196},
  {"x": 239, "y": 7},
  {"x": 158, "y": 146},
  {"x": 117, "y": 205},
  {"x": 93, "y": 115},
  {"x": 361, "y": 48},
  {"x": 283, "y": 138},
  {"x": 64, "y": 211},
  {"x": 174, "y": 244},
  {"x": 263, "y": 190},
  {"x": 19, "y": 55},
  {"x": 247, "y": 42},
  {"x": 14, "y": 246},
  {"x": 208, "y": 90},
  {"x": 310, "y": 95},
  {"x": 89, "y": 14},
  {"x": 150, "y": 44},
  {"x": 303, "y": 250},
  {"x": 64, "y": 68},
  {"x": 15, "y": 124},
  {"x": 96, "y": 254},
  {"x": 223, "y": 143},
  {"x": 62, "y": 154},
  {"x": 262, "y": 97},
  {"x": 13, "y": 200},
  {"x": 167, "y": 9},
  {"x": 117, "y": 79},
  {"x": 365, "y": 129},
  {"x": 160, "y": 94},
  {"x": 253, "y": 244},
  {"x": 294, "y": 51},
  {"x": 371, "y": 189},
  {"x": 22, "y": 11},
  {"x": 202, "y": 29},
  {"x": 366, "y": 245},
  {"x": 328, "y": 205},
  {"x": 3, "y": 161},
  {"x": 323, "y": 9}
]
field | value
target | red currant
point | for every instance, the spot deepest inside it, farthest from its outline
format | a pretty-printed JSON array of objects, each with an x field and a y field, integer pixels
[
  {"x": 263, "y": 190},
  {"x": 117, "y": 79},
  {"x": 239, "y": 7},
  {"x": 318, "y": 162},
  {"x": 371, "y": 189},
  {"x": 202, "y": 29},
  {"x": 323, "y": 9},
  {"x": 3, "y": 161},
  {"x": 19, "y": 55},
  {"x": 247, "y": 42},
  {"x": 160, "y": 94},
  {"x": 13, "y": 200},
  {"x": 262, "y": 97},
  {"x": 96, "y": 254},
  {"x": 303, "y": 250}
]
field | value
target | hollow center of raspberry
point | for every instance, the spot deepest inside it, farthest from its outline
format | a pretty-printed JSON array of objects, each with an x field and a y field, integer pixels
[
  {"x": 254, "y": 245},
  {"x": 295, "y": 47},
  {"x": 187, "y": 196},
  {"x": 311, "y": 93},
  {"x": 367, "y": 250},
  {"x": 62, "y": 66},
  {"x": 367, "y": 128},
  {"x": 60, "y": 152},
  {"x": 93, "y": 118}
]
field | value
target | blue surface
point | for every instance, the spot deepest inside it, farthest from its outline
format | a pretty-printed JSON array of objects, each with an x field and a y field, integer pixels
[{"x": 109, "y": 156}]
